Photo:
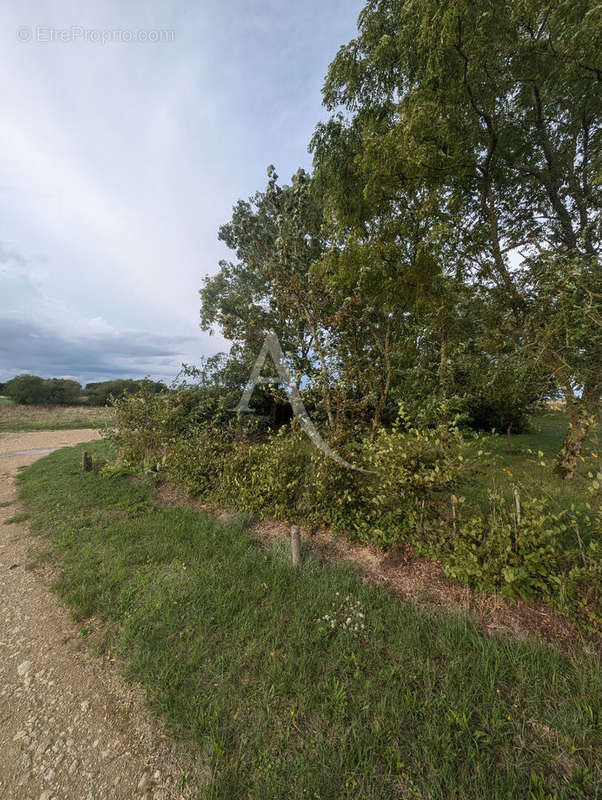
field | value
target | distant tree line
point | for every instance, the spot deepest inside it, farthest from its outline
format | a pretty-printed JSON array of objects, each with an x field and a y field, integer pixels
[
  {"x": 98, "y": 394},
  {"x": 33, "y": 390}
]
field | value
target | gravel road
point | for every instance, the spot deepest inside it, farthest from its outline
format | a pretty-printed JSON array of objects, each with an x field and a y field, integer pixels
[{"x": 69, "y": 727}]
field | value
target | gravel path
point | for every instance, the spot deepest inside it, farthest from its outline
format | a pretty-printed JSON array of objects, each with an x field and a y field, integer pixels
[{"x": 69, "y": 727}]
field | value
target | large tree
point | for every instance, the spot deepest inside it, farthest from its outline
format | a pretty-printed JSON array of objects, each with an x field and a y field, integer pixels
[
  {"x": 270, "y": 288},
  {"x": 496, "y": 108}
]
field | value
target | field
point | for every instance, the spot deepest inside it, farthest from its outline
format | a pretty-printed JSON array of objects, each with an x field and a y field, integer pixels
[
  {"x": 527, "y": 465},
  {"x": 308, "y": 682},
  {"x": 14, "y": 418}
]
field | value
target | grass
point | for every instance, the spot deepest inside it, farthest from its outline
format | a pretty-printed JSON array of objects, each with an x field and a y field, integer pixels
[
  {"x": 528, "y": 466},
  {"x": 5, "y": 401},
  {"x": 14, "y": 418},
  {"x": 17, "y": 518},
  {"x": 231, "y": 646}
]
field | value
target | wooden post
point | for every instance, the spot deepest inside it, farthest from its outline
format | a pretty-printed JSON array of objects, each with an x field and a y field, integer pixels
[
  {"x": 86, "y": 462},
  {"x": 517, "y": 505},
  {"x": 296, "y": 545}
]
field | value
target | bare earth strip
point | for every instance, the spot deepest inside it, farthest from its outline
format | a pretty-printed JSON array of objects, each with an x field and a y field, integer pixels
[{"x": 69, "y": 727}]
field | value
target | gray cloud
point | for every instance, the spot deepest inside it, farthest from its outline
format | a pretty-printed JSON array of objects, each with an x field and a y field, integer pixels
[
  {"x": 7, "y": 255},
  {"x": 26, "y": 346},
  {"x": 120, "y": 162}
]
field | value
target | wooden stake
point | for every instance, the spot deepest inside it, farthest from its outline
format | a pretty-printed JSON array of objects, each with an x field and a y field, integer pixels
[
  {"x": 296, "y": 545},
  {"x": 517, "y": 504},
  {"x": 86, "y": 462}
]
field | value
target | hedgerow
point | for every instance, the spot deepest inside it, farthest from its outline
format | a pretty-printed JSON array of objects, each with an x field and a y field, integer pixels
[{"x": 403, "y": 489}]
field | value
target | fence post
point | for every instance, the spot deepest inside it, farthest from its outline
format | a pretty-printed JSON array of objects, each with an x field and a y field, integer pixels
[
  {"x": 296, "y": 545},
  {"x": 517, "y": 506},
  {"x": 86, "y": 462}
]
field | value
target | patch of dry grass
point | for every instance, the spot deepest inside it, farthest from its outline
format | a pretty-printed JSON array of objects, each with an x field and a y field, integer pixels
[{"x": 15, "y": 418}]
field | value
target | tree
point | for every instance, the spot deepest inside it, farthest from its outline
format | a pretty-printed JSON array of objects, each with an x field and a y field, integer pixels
[
  {"x": 496, "y": 107},
  {"x": 26, "y": 389},
  {"x": 30, "y": 389},
  {"x": 62, "y": 391},
  {"x": 277, "y": 238}
]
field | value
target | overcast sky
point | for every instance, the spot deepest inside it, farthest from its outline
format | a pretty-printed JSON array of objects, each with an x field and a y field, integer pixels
[{"x": 119, "y": 161}]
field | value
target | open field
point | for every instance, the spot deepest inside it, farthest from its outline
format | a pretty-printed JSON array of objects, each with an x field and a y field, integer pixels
[
  {"x": 14, "y": 418},
  {"x": 5, "y": 401},
  {"x": 528, "y": 465},
  {"x": 308, "y": 682}
]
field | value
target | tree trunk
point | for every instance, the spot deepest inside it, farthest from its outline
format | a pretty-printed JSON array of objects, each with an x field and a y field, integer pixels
[
  {"x": 442, "y": 376},
  {"x": 584, "y": 412},
  {"x": 384, "y": 395},
  {"x": 324, "y": 374}
]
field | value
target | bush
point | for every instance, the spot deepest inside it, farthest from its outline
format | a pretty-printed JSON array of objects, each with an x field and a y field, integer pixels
[
  {"x": 532, "y": 557},
  {"x": 395, "y": 490},
  {"x": 522, "y": 558},
  {"x": 403, "y": 491},
  {"x": 30, "y": 390}
]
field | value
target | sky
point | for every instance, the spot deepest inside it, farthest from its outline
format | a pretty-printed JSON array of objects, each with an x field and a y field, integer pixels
[{"x": 127, "y": 133}]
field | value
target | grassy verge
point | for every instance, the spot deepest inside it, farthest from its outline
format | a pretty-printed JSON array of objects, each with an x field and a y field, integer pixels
[
  {"x": 268, "y": 671},
  {"x": 14, "y": 418}
]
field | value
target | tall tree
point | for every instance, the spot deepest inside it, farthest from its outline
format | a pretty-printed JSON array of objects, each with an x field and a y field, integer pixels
[
  {"x": 497, "y": 107},
  {"x": 277, "y": 237}
]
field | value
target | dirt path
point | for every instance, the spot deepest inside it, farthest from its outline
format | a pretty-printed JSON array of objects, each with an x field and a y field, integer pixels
[{"x": 69, "y": 728}]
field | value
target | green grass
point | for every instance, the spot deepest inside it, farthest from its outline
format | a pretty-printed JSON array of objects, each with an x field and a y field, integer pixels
[
  {"x": 5, "y": 401},
  {"x": 532, "y": 474},
  {"x": 226, "y": 639},
  {"x": 14, "y": 418},
  {"x": 17, "y": 518}
]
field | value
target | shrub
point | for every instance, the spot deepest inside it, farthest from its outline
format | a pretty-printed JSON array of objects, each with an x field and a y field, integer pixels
[
  {"x": 30, "y": 390},
  {"x": 539, "y": 556},
  {"x": 522, "y": 558},
  {"x": 401, "y": 491},
  {"x": 266, "y": 477}
]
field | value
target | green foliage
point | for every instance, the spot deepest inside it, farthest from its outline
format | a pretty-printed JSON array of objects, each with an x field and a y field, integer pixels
[
  {"x": 407, "y": 488},
  {"x": 31, "y": 390},
  {"x": 523, "y": 558},
  {"x": 531, "y": 553},
  {"x": 99, "y": 394},
  {"x": 480, "y": 123},
  {"x": 26, "y": 389}
]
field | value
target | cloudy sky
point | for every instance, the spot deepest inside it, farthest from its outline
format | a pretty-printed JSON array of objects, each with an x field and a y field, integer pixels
[{"x": 119, "y": 159}]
